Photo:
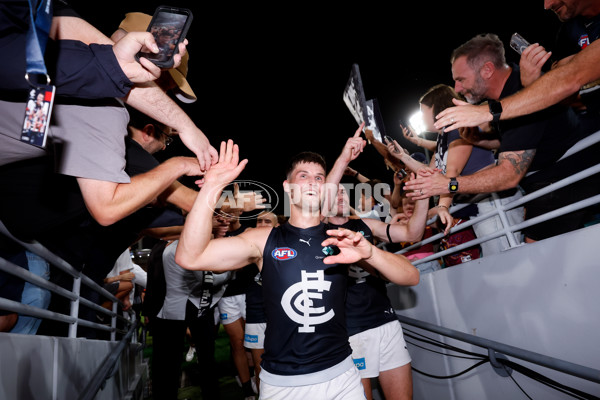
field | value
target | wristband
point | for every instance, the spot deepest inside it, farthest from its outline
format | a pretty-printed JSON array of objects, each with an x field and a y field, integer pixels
[
  {"x": 442, "y": 206},
  {"x": 357, "y": 174},
  {"x": 387, "y": 232}
]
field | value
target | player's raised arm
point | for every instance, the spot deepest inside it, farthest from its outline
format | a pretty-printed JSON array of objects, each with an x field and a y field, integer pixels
[
  {"x": 352, "y": 149},
  {"x": 196, "y": 250}
]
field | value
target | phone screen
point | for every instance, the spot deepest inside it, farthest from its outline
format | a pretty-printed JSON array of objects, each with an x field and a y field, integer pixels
[
  {"x": 167, "y": 30},
  {"x": 169, "y": 27}
]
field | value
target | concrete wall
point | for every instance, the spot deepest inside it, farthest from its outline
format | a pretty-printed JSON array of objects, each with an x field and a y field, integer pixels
[
  {"x": 542, "y": 297},
  {"x": 41, "y": 367}
]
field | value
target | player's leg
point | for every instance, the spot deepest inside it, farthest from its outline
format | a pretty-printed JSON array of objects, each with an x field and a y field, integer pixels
[{"x": 397, "y": 383}]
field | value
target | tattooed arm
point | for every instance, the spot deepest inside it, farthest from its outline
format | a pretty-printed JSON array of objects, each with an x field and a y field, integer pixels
[{"x": 511, "y": 168}]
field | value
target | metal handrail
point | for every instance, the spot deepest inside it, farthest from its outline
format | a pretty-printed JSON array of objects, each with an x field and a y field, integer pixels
[
  {"x": 26, "y": 275},
  {"x": 107, "y": 368},
  {"x": 556, "y": 364},
  {"x": 73, "y": 296},
  {"x": 503, "y": 208}
]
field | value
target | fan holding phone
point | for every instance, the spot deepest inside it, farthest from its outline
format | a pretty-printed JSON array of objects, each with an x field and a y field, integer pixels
[
  {"x": 533, "y": 58},
  {"x": 169, "y": 26}
]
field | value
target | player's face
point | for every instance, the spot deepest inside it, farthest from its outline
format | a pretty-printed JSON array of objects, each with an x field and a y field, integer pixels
[
  {"x": 342, "y": 202},
  {"x": 305, "y": 185},
  {"x": 467, "y": 81},
  {"x": 408, "y": 206},
  {"x": 267, "y": 219},
  {"x": 366, "y": 202}
]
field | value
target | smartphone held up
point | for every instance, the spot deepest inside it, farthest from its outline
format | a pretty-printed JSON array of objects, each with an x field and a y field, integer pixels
[
  {"x": 518, "y": 43},
  {"x": 169, "y": 26}
]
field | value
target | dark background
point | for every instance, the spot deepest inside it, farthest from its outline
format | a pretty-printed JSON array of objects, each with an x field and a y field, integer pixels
[{"x": 271, "y": 77}]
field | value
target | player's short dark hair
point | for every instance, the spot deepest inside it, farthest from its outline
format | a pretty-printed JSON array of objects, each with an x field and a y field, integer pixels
[{"x": 305, "y": 157}]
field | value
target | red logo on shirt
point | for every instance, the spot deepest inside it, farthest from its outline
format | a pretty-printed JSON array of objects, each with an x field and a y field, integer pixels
[
  {"x": 284, "y": 253},
  {"x": 584, "y": 41}
]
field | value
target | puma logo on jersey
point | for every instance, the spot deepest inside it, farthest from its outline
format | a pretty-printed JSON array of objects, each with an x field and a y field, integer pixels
[
  {"x": 284, "y": 253},
  {"x": 306, "y": 241}
]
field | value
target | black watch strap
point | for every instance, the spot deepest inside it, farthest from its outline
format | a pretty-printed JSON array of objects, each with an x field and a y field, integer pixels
[{"x": 496, "y": 111}]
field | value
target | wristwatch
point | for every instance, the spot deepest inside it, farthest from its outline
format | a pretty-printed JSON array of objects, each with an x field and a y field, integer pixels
[
  {"x": 453, "y": 185},
  {"x": 496, "y": 111}
]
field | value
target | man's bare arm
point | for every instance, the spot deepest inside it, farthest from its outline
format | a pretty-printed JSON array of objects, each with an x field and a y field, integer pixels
[
  {"x": 151, "y": 100},
  {"x": 108, "y": 202},
  {"x": 410, "y": 232},
  {"x": 74, "y": 28},
  {"x": 352, "y": 149},
  {"x": 180, "y": 196},
  {"x": 196, "y": 250},
  {"x": 511, "y": 168},
  {"x": 146, "y": 97},
  {"x": 555, "y": 85},
  {"x": 164, "y": 233}
]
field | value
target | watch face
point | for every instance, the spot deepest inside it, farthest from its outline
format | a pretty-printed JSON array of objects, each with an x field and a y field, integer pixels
[
  {"x": 453, "y": 185},
  {"x": 495, "y": 107}
]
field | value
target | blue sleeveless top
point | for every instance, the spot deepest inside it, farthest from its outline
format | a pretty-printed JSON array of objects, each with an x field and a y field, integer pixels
[
  {"x": 304, "y": 303},
  {"x": 367, "y": 303}
]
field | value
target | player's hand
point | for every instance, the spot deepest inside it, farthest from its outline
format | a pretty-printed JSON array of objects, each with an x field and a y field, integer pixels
[
  {"x": 353, "y": 246},
  {"x": 228, "y": 166}
]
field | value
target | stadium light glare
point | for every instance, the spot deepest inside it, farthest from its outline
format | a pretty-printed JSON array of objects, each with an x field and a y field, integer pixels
[{"x": 416, "y": 122}]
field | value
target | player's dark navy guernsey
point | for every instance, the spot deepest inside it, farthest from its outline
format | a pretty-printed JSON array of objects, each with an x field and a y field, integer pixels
[
  {"x": 304, "y": 298},
  {"x": 255, "y": 307},
  {"x": 367, "y": 303},
  {"x": 242, "y": 277}
]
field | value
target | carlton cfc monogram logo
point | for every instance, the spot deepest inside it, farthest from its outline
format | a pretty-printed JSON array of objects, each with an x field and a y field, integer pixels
[
  {"x": 284, "y": 253},
  {"x": 297, "y": 301},
  {"x": 357, "y": 273}
]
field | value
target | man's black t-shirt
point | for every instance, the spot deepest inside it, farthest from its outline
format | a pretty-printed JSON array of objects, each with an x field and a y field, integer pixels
[{"x": 550, "y": 132}]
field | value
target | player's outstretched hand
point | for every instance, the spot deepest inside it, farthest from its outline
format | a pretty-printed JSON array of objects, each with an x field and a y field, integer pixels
[{"x": 228, "y": 167}]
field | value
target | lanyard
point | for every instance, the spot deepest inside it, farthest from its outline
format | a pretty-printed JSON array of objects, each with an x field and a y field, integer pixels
[{"x": 37, "y": 37}]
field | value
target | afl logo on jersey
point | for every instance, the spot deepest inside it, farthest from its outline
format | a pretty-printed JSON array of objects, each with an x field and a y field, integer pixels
[{"x": 284, "y": 253}]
